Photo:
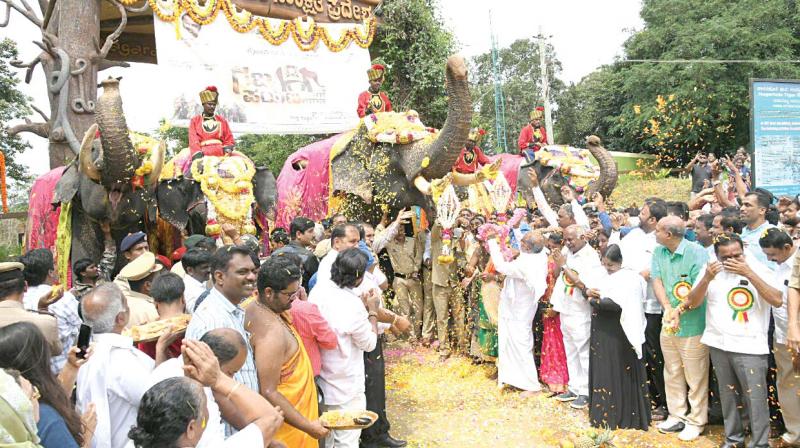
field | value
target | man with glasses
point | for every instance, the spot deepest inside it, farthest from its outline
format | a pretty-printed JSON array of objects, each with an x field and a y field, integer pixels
[{"x": 284, "y": 368}]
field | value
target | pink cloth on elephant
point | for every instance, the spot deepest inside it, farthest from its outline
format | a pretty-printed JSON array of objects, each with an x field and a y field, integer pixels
[
  {"x": 510, "y": 168},
  {"x": 304, "y": 192},
  {"x": 42, "y": 219}
]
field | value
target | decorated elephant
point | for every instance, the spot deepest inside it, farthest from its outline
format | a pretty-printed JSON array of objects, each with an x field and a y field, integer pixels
[
  {"x": 362, "y": 175},
  {"x": 220, "y": 191},
  {"x": 114, "y": 180}
]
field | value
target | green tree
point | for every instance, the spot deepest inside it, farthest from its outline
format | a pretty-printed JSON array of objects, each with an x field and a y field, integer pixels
[
  {"x": 590, "y": 108},
  {"x": 694, "y": 106},
  {"x": 272, "y": 150},
  {"x": 414, "y": 45},
  {"x": 13, "y": 106},
  {"x": 518, "y": 70}
]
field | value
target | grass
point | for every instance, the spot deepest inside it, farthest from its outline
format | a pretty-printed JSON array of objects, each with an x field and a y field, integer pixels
[
  {"x": 9, "y": 252},
  {"x": 632, "y": 191}
]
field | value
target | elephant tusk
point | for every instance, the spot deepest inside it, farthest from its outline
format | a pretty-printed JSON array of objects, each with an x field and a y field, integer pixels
[
  {"x": 158, "y": 163},
  {"x": 463, "y": 180},
  {"x": 422, "y": 185},
  {"x": 88, "y": 166}
]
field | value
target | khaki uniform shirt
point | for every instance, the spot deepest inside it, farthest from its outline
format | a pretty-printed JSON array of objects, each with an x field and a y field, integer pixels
[
  {"x": 406, "y": 257},
  {"x": 142, "y": 308},
  {"x": 794, "y": 279},
  {"x": 442, "y": 274},
  {"x": 12, "y": 312}
]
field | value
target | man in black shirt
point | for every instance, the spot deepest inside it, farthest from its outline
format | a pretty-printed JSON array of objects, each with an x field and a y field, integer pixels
[{"x": 701, "y": 171}]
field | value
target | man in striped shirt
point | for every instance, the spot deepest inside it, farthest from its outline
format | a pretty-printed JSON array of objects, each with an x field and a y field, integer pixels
[{"x": 234, "y": 278}]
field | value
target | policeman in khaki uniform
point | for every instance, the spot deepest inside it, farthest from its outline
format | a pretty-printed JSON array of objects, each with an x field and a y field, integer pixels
[
  {"x": 448, "y": 298},
  {"x": 405, "y": 253},
  {"x": 12, "y": 288},
  {"x": 134, "y": 280}
]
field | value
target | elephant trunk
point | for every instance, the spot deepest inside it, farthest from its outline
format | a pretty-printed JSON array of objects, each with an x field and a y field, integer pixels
[
  {"x": 435, "y": 159},
  {"x": 608, "y": 168},
  {"x": 119, "y": 157}
]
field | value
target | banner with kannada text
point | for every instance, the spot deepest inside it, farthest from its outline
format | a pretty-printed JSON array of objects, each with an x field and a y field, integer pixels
[{"x": 263, "y": 88}]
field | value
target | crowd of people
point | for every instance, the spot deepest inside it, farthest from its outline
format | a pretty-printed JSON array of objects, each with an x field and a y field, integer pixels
[{"x": 680, "y": 313}]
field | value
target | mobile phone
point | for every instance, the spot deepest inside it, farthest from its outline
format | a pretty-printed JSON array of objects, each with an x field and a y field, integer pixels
[
  {"x": 84, "y": 337},
  {"x": 408, "y": 229}
]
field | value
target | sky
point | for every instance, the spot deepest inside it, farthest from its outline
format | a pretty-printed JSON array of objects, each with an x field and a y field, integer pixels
[{"x": 585, "y": 33}]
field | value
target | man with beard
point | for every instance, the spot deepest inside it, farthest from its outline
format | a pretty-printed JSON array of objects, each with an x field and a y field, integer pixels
[
  {"x": 283, "y": 366},
  {"x": 373, "y": 100}
]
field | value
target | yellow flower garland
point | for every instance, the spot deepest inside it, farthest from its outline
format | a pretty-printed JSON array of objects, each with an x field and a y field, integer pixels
[
  {"x": 306, "y": 37},
  {"x": 234, "y": 202}
]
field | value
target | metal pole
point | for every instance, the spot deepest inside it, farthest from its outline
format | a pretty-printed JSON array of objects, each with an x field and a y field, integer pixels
[{"x": 548, "y": 120}]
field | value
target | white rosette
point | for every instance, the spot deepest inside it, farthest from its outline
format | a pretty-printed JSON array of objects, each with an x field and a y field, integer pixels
[
  {"x": 447, "y": 208},
  {"x": 500, "y": 193}
]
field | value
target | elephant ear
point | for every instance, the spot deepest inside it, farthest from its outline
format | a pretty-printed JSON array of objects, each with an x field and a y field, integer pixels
[
  {"x": 67, "y": 186},
  {"x": 351, "y": 168},
  {"x": 173, "y": 197},
  {"x": 265, "y": 188}
]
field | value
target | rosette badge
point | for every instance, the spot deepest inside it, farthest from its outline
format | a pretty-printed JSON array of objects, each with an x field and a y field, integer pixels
[
  {"x": 740, "y": 300},
  {"x": 681, "y": 290}
]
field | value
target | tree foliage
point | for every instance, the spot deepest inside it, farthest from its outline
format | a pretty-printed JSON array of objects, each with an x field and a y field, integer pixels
[
  {"x": 413, "y": 44},
  {"x": 13, "y": 106},
  {"x": 272, "y": 150},
  {"x": 520, "y": 74},
  {"x": 674, "y": 110}
]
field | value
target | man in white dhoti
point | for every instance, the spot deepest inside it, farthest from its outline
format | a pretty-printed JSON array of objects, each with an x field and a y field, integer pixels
[
  {"x": 569, "y": 299},
  {"x": 526, "y": 281}
]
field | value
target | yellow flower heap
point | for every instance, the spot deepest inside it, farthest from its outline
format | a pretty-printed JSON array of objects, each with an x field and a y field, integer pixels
[{"x": 227, "y": 183}]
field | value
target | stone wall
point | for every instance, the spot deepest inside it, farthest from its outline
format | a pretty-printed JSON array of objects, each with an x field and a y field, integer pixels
[{"x": 12, "y": 228}]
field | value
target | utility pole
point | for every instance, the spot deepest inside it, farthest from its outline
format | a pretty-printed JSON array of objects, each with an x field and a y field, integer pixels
[
  {"x": 499, "y": 102},
  {"x": 548, "y": 119}
]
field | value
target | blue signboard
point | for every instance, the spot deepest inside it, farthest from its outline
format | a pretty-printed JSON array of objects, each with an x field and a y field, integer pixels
[{"x": 775, "y": 128}]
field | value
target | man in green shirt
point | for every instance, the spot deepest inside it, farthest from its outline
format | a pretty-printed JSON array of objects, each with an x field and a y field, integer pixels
[{"x": 676, "y": 263}]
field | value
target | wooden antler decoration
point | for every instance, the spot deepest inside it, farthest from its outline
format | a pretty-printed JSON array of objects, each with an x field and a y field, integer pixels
[{"x": 71, "y": 57}]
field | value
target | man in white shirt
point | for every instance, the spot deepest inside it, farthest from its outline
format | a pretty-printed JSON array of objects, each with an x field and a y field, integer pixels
[
  {"x": 637, "y": 254},
  {"x": 739, "y": 300},
  {"x": 116, "y": 376},
  {"x": 342, "y": 374},
  {"x": 778, "y": 247},
  {"x": 40, "y": 276},
  {"x": 525, "y": 283},
  {"x": 568, "y": 214},
  {"x": 576, "y": 314},
  {"x": 196, "y": 263},
  {"x": 342, "y": 237}
]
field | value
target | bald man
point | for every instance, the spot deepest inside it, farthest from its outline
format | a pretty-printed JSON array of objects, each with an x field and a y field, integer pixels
[
  {"x": 676, "y": 265},
  {"x": 569, "y": 299},
  {"x": 525, "y": 282},
  {"x": 116, "y": 376}
]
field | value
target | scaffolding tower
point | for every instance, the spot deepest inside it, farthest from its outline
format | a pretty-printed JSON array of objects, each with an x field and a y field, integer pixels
[{"x": 499, "y": 101}]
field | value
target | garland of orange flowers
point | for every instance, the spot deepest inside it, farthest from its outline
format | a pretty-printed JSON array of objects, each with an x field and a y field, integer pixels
[
  {"x": 3, "y": 192},
  {"x": 306, "y": 37}
]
